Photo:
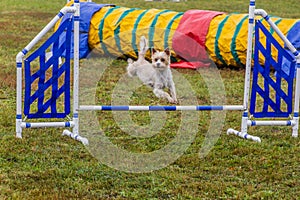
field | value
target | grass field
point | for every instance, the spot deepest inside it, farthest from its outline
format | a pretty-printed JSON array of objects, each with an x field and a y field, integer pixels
[{"x": 45, "y": 165}]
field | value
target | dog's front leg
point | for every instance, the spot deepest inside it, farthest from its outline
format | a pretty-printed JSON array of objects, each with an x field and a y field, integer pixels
[
  {"x": 162, "y": 94},
  {"x": 173, "y": 91}
]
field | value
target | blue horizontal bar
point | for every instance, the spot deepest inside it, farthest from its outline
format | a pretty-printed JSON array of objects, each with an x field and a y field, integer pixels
[
  {"x": 209, "y": 107},
  {"x": 115, "y": 107},
  {"x": 162, "y": 108},
  {"x": 159, "y": 108}
]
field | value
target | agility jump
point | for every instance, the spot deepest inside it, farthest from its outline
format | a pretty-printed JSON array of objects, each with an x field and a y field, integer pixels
[{"x": 44, "y": 96}]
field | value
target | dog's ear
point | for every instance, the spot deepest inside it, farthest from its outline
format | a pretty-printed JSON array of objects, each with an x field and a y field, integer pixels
[
  {"x": 167, "y": 51},
  {"x": 153, "y": 51}
]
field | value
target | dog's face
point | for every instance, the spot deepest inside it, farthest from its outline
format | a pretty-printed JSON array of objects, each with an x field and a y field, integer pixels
[{"x": 161, "y": 59}]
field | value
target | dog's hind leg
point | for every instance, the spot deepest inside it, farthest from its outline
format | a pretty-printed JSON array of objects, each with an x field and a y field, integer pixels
[{"x": 131, "y": 69}]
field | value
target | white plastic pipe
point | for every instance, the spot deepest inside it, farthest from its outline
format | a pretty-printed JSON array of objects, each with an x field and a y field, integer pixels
[
  {"x": 243, "y": 135},
  {"x": 159, "y": 108},
  {"x": 271, "y": 123},
  {"x": 45, "y": 30},
  {"x": 244, "y": 126},
  {"x": 297, "y": 99},
  {"x": 46, "y": 124},
  {"x": 264, "y": 14},
  {"x": 76, "y": 69},
  {"x": 19, "y": 101},
  {"x": 77, "y": 137},
  {"x": 249, "y": 53}
]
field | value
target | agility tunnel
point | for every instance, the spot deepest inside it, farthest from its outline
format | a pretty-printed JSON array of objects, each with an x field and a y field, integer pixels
[
  {"x": 269, "y": 100},
  {"x": 194, "y": 36}
]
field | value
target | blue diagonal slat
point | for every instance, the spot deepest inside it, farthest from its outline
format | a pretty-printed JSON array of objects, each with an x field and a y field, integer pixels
[{"x": 36, "y": 105}]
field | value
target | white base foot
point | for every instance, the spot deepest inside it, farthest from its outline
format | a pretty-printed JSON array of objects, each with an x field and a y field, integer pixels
[
  {"x": 243, "y": 135},
  {"x": 19, "y": 135},
  {"x": 295, "y": 133},
  {"x": 77, "y": 137}
]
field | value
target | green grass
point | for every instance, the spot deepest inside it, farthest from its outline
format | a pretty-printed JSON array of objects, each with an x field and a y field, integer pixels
[{"x": 45, "y": 165}]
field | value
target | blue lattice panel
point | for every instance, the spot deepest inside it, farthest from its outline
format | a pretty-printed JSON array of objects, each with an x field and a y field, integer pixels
[
  {"x": 47, "y": 79},
  {"x": 272, "y": 85}
]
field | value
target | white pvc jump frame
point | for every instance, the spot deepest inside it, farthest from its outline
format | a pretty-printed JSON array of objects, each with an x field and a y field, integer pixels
[{"x": 74, "y": 123}]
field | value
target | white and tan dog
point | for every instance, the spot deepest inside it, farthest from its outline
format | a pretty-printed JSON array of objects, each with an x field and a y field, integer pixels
[{"x": 157, "y": 74}]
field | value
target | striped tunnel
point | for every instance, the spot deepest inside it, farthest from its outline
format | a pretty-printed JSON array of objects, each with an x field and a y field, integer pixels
[{"x": 116, "y": 31}]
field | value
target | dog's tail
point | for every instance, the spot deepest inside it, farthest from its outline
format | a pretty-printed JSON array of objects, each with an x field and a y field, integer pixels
[
  {"x": 143, "y": 46},
  {"x": 143, "y": 50},
  {"x": 131, "y": 69}
]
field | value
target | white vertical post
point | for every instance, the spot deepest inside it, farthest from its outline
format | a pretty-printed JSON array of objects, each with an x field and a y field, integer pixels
[
  {"x": 248, "y": 66},
  {"x": 19, "y": 62},
  {"x": 297, "y": 96},
  {"x": 75, "y": 132},
  {"x": 76, "y": 69}
]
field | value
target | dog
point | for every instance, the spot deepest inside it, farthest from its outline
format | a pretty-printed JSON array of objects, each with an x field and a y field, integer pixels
[{"x": 157, "y": 74}]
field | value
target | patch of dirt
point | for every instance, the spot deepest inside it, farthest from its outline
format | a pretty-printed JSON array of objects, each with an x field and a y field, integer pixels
[{"x": 7, "y": 80}]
